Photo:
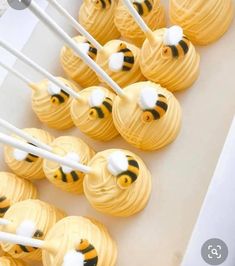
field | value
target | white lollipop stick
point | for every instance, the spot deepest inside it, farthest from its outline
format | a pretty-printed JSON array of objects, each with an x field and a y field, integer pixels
[
  {"x": 75, "y": 24},
  {"x": 39, "y": 69},
  {"x": 4, "y": 221},
  {"x": 17, "y": 74},
  {"x": 24, "y": 135},
  {"x": 43, "y": 153},
  {"x": 137, "y": 17},
  {"x": 66, "y": 38}
]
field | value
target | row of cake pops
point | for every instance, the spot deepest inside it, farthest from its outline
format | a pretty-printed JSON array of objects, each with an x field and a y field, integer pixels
[
  {"x": 203, "y": 22},
  {"x": 114, "y": 181},
  {"x": 145, "y": 114},
  {"x": 35, "y": 230}
]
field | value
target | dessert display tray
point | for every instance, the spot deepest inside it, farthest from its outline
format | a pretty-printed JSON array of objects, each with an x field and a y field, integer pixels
[{"x": 158, "y": 236}]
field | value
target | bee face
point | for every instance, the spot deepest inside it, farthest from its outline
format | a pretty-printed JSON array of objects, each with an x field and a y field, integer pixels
[
  {"x": 122, "y": 46},
  {"x": 143, "y": 8},
  {"x": 103, "y": 111},
  {"x": 93, "y": 114},
  {"x": 124, "y": 181},
  {"x": 58, "y": 99},
  {"x": 166, "y": 52},
  {"x": 147, "y": 116}
]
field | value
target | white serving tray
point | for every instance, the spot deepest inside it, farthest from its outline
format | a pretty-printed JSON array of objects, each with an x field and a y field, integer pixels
[{"x": 181, "y": 172}]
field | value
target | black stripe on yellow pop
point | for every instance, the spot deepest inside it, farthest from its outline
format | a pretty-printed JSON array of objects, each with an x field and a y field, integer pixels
[
  {"x": 143, "y": 8},
  {"x": 25, "y": 249},
  {"x": 128, "y": 177},
  {"x": 73, "y": 176},
  {"x": 57, "y": 99},
  {"x": 158, "y": 112},
  {"x": 176, "y": 51},
  {"x": 4, "y": 205},
  {"x": 89, "y": 252},
  {"x": 31, "y": 158},
  {"x": 129, "y": 59},
  {"x": 102, "y": 4},
  {"x": 92, "y": 52},
  {"x": 102, "y": 111}
]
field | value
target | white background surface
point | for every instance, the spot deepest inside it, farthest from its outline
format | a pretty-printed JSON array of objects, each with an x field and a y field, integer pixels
[{"x": 181, "y": 172}]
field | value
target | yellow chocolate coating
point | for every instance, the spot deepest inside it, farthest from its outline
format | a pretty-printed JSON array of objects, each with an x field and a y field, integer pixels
[
  {"x": 174, "y": 74},
  {"x": 104, "y": 194},
  {"x": 68, "y": 232},
  {"x": 62, "y": 146},
  {"x": 8, "y": 261},
  {"x": 42, "y": 214},
  {"x": 130, "y": 30},
  {"x": 203, "y": 22},
  {"x": 123, "y": 78},
  {"x": 150, "y": 136},
  {"x": 99, "y": 22},
  {"x": 99, "y": 129},
  {"x": 75, "y": 68},
  {"x": 54, "y": 116},
  {"x": 15, "y": 189},
  {"x": 24, "y": 169}
]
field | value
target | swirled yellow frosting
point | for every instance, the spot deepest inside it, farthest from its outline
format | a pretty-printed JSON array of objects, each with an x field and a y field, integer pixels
[
  {"x": 172, "y": 73},
  {"x": 28, "y": 170},
  {"x": 72, "y": 181},
  {"x": 8, "y": 261},
  {"x": 154, "y": 135},
  {"x": 68, "y": 233},
  {"x": 203, "y": 22},
  {"x": 54, "y": 116},
  {"x": 102, "y": 129},
  {"x": 99, "y": 22},
  {"x": 75, "y": 68},
  {"x": 41, "y": 214},
  {"x": 14, "y": 189},
  {"x": 104, "y": 194},
  {"x": 130, "y": 30},
  {"x": 123, "y": 77}
]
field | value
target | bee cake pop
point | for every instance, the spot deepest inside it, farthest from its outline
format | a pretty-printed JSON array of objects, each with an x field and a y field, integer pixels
[
  {"x": 203, "y": 22},
  {"x": 64, "y": 177},
  {"x": 24, "y": 164},
  {"x": 14, "y": 189},
  {"x": 30, "y": 218},
  {"x": 97, "y": 17},
  {"x": 72, "y": 241},
  {"x": 152, "y": 12},
  {"x": 74, "y": 67},
  {"x": 150, "y": 141},
  {"x": 120, "y": 184},
  {"x": 8, "y": 261},
  {"x": 51, "y": 98},
  {"x": 120, "y": 60},
  {"x": 92, "y": 114}
]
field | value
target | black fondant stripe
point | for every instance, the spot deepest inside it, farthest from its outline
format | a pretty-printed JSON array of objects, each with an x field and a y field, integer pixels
[
  {"x": 59, "y": 97},
  {"x": 133, "y": 163},
  {"x": 129, "y": 173},
  {"x": 184, "y": 46},
  {"x": 129, "y": 59},
  {"x": 103, "y": 3},
  {"x": 93, "y": 50},
  {"x": 3, "y": 210},
  {"x": 64, "y": 178},
  {"x": 99, "y": 112},
  {"x": 91, "y": 262},
  {"x": 28, "y": 160},
  {"x": 161, "y": 95},
  {"x": 89, "y": 248},
  {"x": 139, "y": 7},
  {"x": 154, "y": 113},
  {"x": 24, "y": 249},
  {"x": 149, "y": 5},
  {"x": 35, "y": 156},
  {"x": 38, "y": 233},
  {"x": 2, "y": 198},
  {"x": 108, "y": 106},
  {"x": 126, "y": 68},
  {"x": 74, "y": 176},
  {"x": 174, "y": 50},
  {"x": 65, "y": 93},
  {"x": 163, "y": 105},
  {"x": 124, "y": 50}
]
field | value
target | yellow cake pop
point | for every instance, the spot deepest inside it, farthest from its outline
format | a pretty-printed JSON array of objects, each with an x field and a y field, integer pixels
[
  {"x": 8, "y": 261},
  {"x": 120, "y": 60},
  {"x": 52, "y": 105},
  {"x": 152, "y": 12},
  {"x": 170, "y": 59},
  {"x": 24, "y": 164},
  {"x": 149, "y": 118},
  {"x": 203, "y": 22},
  {"x": 74, "y": 67},
  {"x": 30, "y": 218},
  {"x": 14, "y": 189},
  {"x": 92, "y": 113},
  {"x": 97, "y": 17},
  {"x": 64, "y": 177},
  {"x": 120, "y": 183}
]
